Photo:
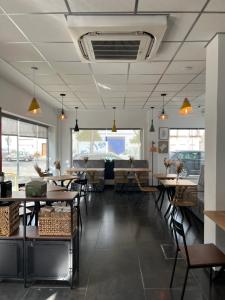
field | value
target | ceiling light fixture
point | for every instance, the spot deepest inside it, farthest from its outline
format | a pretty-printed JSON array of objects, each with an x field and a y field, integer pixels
[
  {"x": 152, "y": 128},
  {"x": 62, "y": 114},
  {"x": 34, "y": 106},
  {"x": 114, "y": 129},
  {"x": 103, "y": 86},
  {"x": 163, "y": 116},
  {"x": 186, "y": 107},
  {"x": 76, "y": 127}
]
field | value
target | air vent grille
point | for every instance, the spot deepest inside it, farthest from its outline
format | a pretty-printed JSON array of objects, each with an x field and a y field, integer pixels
[{"x": 116, "y": 50}]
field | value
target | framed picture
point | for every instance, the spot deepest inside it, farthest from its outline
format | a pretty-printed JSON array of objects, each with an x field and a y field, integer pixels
[
  {"x": 163, "y": 147},
  {"x": 163, "y": 133}
]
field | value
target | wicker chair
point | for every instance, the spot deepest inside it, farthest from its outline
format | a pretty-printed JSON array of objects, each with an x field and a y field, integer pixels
[
  {"x": 121, "y": 180},
  {"x": 147, "y": 189},
  {"x": 40, "y": 172}
]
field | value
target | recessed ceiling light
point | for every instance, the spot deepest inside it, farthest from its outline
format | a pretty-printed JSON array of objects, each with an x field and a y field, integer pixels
[
  {"x": 103, "y": 86},
  {"x": 188, "y": 67}
]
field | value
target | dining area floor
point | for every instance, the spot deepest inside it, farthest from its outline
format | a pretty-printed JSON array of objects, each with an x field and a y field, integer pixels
[{"x": 126, "y": 252}]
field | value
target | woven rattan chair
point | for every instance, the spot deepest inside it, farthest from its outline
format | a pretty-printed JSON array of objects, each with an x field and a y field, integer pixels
[
  {"x": 147, "y": 189},
  {"x": 196, "y": 256}
]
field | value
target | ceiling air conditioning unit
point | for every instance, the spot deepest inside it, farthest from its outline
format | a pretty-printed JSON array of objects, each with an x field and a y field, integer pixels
[{"x": 117, "y": 38}]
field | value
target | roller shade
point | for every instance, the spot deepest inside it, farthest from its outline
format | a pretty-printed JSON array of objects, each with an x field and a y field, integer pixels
[{"x": 9, "y": 126}]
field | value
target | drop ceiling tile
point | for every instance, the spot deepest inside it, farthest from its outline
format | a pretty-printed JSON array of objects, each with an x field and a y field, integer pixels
[
  {"x": 157, "y": 95},
  {"x": 87, "y": 95},
  {"x": 44, "y": 28},
  {"x": 109, "y": 68},
  {"x": 101, "y": 6},
  {"x": 137, "y": 94},
  {"x": 19, "y": 52},
  {"x": 216, "y": 5},
  {"x": 34, "y": 6},
  {"x": 143, "y": 79},
  {"x": 46, "y": 79},
  {"x": 199, "y": 79},
  {"x": 115, "y": 88},
  {"x": 71, "y": 68},
  {"x": 113, "y": 93},
  {"x": 78, "y": 79},
  {"x": 148, "y": 68},
  {"x": 83, "y": 88},
  {"x": 111, "y": 79},
  {"x": 166, "y": 51},
  {"x": 134, "y": 101},
  {"x": 192, "y": 51},
  {"x": 178, "y": 26},
  {"x": 58, "y": 51},
  {"x": 169, "y": 87},
  {"x": 183, "y": 67},
  {"x": 190, "y": 94},
  {"x": 113, "y": 99},
  {"x": 56, "y": 88},
  {"x": 68, "y": 95},
  {"x": 170, "y": 5},
  {"x": 9, "y": 32},
  {"x": 180, "y": 78},
  {"x": 25, "y": 67},
  {"x": 140, "y": 87},
  {"x": 195, "y": 87},
  {"x": 207, "y": 26}
]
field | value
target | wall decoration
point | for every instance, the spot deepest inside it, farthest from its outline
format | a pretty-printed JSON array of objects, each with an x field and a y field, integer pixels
[
  {"x": 163, "y": 133},
  {"x": 163, "y": 147}
]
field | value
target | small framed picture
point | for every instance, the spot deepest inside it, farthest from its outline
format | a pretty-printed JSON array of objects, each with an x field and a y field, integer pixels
[
  {"x": 163, "y": 147},
  {"x": 163, "y": 133}
]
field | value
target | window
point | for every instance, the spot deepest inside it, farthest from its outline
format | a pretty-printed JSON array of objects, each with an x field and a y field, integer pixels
[
  {"x": 105, "y": 144},
  {"x": 23, "y": 144},
  {"x": 188, "y": 145}
]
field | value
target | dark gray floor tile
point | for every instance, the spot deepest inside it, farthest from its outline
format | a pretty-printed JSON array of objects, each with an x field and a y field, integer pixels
[
  {"x": 172, "y": 294},
  {"x": 11, "y": 291},
  {"x": 54, "y": 294}
]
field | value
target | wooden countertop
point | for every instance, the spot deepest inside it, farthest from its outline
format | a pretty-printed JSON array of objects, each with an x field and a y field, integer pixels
[
  {"x": 74, "y": 170},
  {"x": 165, "y": 176},
  {"x": 180, "y": 182},
  {"x": 217, "y": 216},
  {"x": 131, "y": 170}
]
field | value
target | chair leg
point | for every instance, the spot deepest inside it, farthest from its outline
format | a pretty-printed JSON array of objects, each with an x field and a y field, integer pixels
[
  {"x": 162, "y": 200},
  {"x": 184, "y": 284},
  {"x": 174, "y": 267}
]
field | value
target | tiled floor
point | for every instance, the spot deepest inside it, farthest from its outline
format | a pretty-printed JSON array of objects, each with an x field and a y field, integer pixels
[{"x": 126, "y": 253}]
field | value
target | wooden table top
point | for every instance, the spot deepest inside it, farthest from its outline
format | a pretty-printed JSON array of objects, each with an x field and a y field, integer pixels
[
  {"x": 50, "y": 188},
  {"x": 51, "y": 196},
  {"x": 180, "y": 182},
  {"x": 74, "y": 170},
  {"x": 131, "y": 170},
  {"x": 60, "y": 177},
  {"x": 217, "y": 216},
  {"x": 162, "y": 176}
]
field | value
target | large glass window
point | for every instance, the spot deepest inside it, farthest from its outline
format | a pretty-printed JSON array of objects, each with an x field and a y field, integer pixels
[
  {"x": 23, "y": 144},
  {"x": 188, "y": 145},
  {"x": 105, "y": 144}
]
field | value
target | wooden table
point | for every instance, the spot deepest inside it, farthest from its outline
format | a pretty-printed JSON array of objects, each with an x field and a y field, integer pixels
[
  {"x": 61, "y": 178},
  {"x": 135, "y": 170},
  {"x": 217, "y": 216},
  {"x": 80, "y": 170},
  {"x": 162, "y": 176}
]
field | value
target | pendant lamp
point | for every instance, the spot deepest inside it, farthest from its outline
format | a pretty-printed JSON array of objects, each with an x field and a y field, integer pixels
[
  {"x": 62, "y": 114},
  {"x": 186, "y": 107},
  {"x": 76, "y": 127},
  {"x": 34, "y": 106},
  {"x": 163, "y": 116},
  {"x": 152, "y": 128},
  {"x": 114, "y": 129}
]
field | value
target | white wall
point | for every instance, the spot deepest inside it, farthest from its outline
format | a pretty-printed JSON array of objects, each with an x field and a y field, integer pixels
[{"x": 15, "y": 101}]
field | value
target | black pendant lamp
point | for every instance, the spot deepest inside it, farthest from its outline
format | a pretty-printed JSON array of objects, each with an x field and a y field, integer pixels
[
  {"x": 76, "y": 127},
  {"x": 62, "y": 114},
  {"x": 163, "y": 116},
  {"x": 152, "y": 127}
]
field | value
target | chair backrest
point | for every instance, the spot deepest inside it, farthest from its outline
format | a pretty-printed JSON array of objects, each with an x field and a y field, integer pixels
[
  {"x": 141, "y": 163},
  {"x": 138, "y": 181},
  {"x": 186, "y": 194},
  {"x": 38, "y": 170},
  {"x": 179, "y": 230},
  {"x": 121, "y": 177}
]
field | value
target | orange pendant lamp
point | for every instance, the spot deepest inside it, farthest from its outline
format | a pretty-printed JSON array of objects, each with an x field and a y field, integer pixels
[
  {"x": 34, "y": 106},
  {"x": 186, "y": 107}
]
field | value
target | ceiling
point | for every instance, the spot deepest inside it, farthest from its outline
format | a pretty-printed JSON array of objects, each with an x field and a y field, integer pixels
[{"x": 35, "y": 33}]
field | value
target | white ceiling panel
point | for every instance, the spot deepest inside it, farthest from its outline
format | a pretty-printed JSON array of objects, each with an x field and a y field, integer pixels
[
  {"x": 86, "y": 95},
  {"x": 111, "y": 79},
  {"x": 158, "y": 95},
  {"x": 135, "y": 100},
  {"x": 109, "y": 68},
  {"x": 166, "y": 51},
  {"x": 47, "y": 79},
  {"x": 170, "y": 5},
  {"x": 190, "y": 94},
  {"x": 9, "y": 32},
  {"x": 216, "y": 5},
  {"x": 34, "y": 6},
  {"x": 178, "y": 26},
  {"x": 71, "y": 68},
  {"x": 25, "y": 67},
  {"x": 69, "y": 95},
  {"x": 58, "y": 51},
  {"x": 101, "y": 5},
  {"x": 195, "y": 87},
  {"x": 192, "y": 51},
  {"x": 83, "y": 88},
  {"x": 199, "y": 79},
  {"x": 113, "y": 93},
  {"x": 112, "y": 99},
  {"x": 140, "y": 87},
  {"x": 169, "y": 87},
  {"x": 115, "y": 88},
  {"x": 56, "y": 88},
  {"x": 137, "y": 94},
  {"x": 78, "y": 79},
  {"x": 182, "y": 67},
  {"x": 180, "y": 78},
  {"x": 19, "y": 52},
  {"x": 44, "y": 28},
  {"x": 143, "y": 79},
  {"x": 207, "y": 26},
  {"x": 148, "y": 68}
]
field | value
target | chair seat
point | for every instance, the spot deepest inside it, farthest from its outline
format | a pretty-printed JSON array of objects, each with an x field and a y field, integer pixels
[
  {"x": 149, "y": 189},
  {"x": 204, "y": 255}
]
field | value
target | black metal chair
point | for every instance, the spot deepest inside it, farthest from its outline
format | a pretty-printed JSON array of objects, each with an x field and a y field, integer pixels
[{"x": 196, "y": 256}]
